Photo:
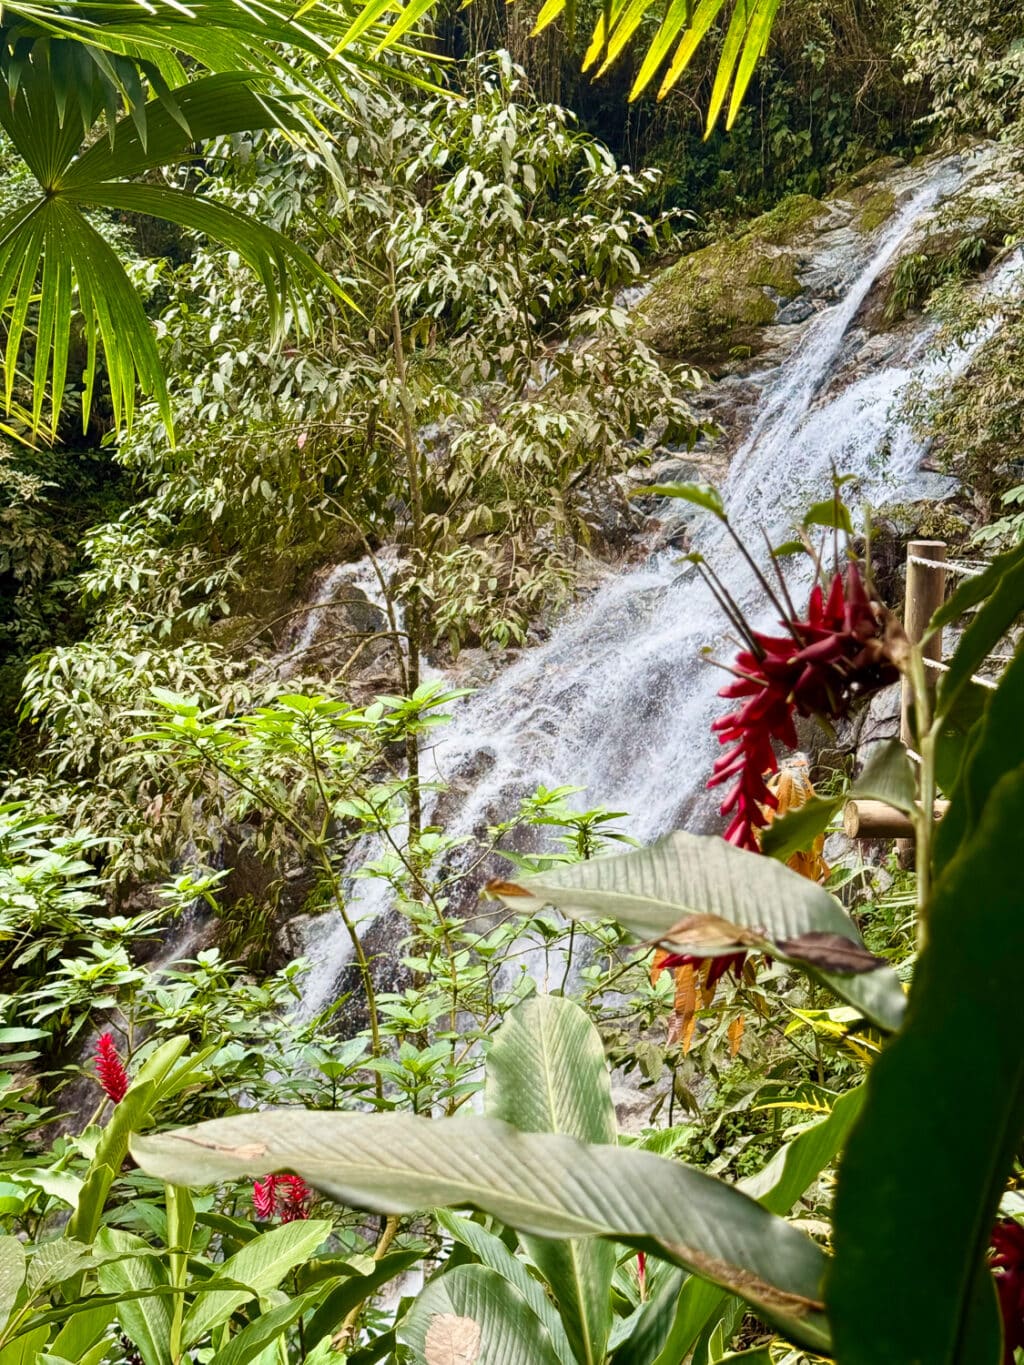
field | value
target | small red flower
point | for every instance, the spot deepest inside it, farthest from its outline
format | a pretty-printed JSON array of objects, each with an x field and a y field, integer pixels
[
  {"x": 263, "y": 1197},
  {"x": 287, "y": 1196},
  {"x": 110, "y": 1070},
  {"x": 1007, "y": 1260},
  {"x": 716, "y": 966},
  {"x": 818, "y": 669}
]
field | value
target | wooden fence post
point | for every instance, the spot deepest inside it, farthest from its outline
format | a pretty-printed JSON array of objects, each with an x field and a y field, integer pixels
[{"x": 926, "y": 591}]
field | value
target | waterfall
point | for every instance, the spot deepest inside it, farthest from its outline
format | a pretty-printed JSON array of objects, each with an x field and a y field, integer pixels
[{"x": 619, "y": 700}]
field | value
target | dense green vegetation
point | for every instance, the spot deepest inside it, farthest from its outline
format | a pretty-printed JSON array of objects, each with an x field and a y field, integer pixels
[{"x": 285, "y": 295}]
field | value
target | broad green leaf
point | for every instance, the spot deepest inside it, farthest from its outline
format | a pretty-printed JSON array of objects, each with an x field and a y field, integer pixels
[
  {"x": 540, "y": 1183},
  {"x": 832, "y": 512},
  {"x": 354, "y": 1290},
  {"x": 644, "y": 1333},
  {"x": 798, "y": 829},
  {"x": 492, "y": 1252},
  {"x": 977, "y": 588},
  {"x": 55, "y": 1261},
  {"x": 944, "y": 1113},
  {"x": 699, "y": 1304},
  {"x": 146, "y": 1321},
  {"x": 887, "y": 776},
  {"x": 994, "y": 617},
  {"x": 12, "y": 1275},
  {"x": 958, "y": 729},
  {"x": 700, "y": 494},
  {"x": 472, "y": 1314},
  {"x": 25, "y": 1350},
  {"x": 80, "y": 1333},
  {"x": 264, "y": 1330},
  {"x": 996, "y": 745},
  {"x": 794, "y": 1167},
  {"x": 546, "y": 1073},
  {"x": 776, "y": 1187},
  {"x": 261, "y": 1265},
  {"x": 651, "y": 891}
]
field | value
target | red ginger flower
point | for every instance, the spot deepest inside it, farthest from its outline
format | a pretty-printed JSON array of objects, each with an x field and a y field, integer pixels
[
  {"x": 110, "y": 1070},
  {"x": 819, "y": 668},
  {"x": 1008, "y": 1262},
  {"x": 716, "y": 966},
  {"x": 287, "y": 1196}
]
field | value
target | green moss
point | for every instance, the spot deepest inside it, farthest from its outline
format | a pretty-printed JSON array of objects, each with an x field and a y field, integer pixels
[
  {"x": 780, "y": 225},
  {"x": 928, "y": 521},
  {"x": 713, "y": 303},
  {"x": 878, "y": 207}
]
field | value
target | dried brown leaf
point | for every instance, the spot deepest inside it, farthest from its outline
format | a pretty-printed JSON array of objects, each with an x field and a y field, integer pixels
[
  {"x": 452, "y": 1340},
  {"x": 831, "y": 953}
]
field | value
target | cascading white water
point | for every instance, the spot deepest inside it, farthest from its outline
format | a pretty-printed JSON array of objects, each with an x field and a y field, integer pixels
[{"x": 619, "y": 701}]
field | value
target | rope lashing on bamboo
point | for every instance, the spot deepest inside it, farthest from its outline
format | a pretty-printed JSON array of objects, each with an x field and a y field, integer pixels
[
  {"x": 975, "y": 678},
  {"x": 953, "y": 565}
]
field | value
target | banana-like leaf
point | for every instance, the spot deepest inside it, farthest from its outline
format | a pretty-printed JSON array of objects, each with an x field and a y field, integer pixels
[
  {"x": 260, "y": 1266},
  {"x": 997, "y": 744},
  {"x": 12, "y": 1275},
  {"x": 265, "y": 1329},
  {"x": 146, "y": 1322},
  {"x": 1001, "y": 606},
  {"x": 688, "y": 891},
  {"x": 472, "y": 1314},
  {"x": 638, "y": 1339},
  {"x": 944, "y": 1113},
  {"x": 546, "y": 1073},
  {"x": 492, "y": 1252},
  {"x": 351, "y": 1292},
  {"x": 539, "y": 1183}
]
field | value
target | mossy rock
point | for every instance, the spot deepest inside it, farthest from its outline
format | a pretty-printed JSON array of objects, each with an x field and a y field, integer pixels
[
  {"x": 876, "y": 170},
  {"x": 712, "y": 304},
  {"x": 876, "y": 209}
]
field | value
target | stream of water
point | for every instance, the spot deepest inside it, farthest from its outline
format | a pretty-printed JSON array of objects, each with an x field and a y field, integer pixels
[{"x": 619, "y": 700}]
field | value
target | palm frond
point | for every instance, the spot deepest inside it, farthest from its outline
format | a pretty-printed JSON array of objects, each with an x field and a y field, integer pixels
[
  {"x": 49, "y": 250},
  {"x": 685, "y": 26}
]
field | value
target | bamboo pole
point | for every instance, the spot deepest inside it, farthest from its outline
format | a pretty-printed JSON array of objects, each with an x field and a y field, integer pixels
[{"x": 878, "y": 820}]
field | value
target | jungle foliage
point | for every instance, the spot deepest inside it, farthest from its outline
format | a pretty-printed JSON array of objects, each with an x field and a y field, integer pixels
[{"x": 280, "y": 292}]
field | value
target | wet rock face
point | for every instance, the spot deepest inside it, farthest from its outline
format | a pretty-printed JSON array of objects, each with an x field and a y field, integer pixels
[
  {"x": 750, "y": 295},
  {"x": 710, "y": 306},
  {"x": 339, "y": 631}
]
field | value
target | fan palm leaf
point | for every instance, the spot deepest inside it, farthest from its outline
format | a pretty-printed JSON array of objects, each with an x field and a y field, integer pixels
[
  {"x": 52, "y": 256},
  {"x": 94, "y": 95}
]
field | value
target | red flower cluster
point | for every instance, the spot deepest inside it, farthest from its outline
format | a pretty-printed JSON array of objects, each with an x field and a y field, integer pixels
[
  {"x": 286, "y": 1196},
  {"x": 717, "y": 966},
  {"x": 818, "y": 669},
  {"x": 110, "y": 1070},
  {"x": 1008, "y": 1262}
]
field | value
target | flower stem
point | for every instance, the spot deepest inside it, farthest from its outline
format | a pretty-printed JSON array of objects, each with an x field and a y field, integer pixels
[{"x": 924, "y": 813}]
